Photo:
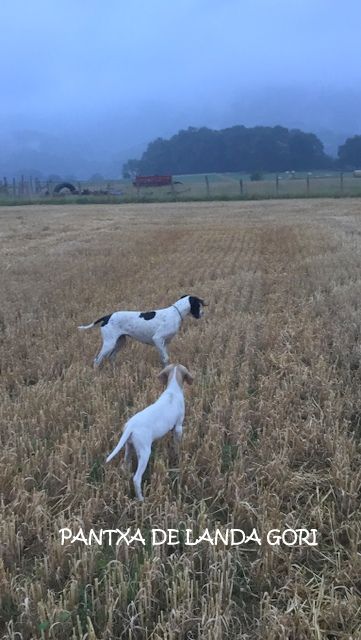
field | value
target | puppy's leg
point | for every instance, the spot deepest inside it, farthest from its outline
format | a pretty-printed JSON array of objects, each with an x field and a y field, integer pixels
[
  {"x": 177, "y": 434},
  {"x": 128, "y": 456},
  {"x": 159, "y": 343},
  {"x": 143, "y": 455},
  {"x": 177, "y": 437}
]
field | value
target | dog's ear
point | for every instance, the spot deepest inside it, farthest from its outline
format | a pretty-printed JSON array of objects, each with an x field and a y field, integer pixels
[
  {"x": 164, "y": 374},
  {"x": 196, "y": 306}
]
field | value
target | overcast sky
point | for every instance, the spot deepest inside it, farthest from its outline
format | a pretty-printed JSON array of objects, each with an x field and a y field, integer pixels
[{"x": 110, "y": 75}]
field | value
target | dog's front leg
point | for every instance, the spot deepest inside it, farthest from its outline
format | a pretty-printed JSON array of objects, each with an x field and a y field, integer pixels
[{"x": 159, "y": 343}]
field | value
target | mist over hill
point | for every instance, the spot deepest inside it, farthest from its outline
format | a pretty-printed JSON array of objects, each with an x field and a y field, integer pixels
[
  {"x": 103, "y": 142},
  {"x": 82, "y": 91}
]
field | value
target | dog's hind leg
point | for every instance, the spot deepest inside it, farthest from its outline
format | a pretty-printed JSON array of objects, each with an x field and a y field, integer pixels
[
  {"x": 118, "y": 345},
  {"x": 110, "y": 338},
  {"x": 107, "y": 348}
]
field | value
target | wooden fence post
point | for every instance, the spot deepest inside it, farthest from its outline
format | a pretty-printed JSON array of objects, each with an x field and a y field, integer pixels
[
  {"x": 241, "y": 186},
  {"x": 277, "y": 183},
  {"x": 207, "y": 185},
  {"x": 308, "y": 184},
  {"x": 174, "y": 193}
]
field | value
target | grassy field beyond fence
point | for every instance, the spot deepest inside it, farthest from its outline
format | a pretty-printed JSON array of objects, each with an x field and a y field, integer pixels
[{"x": 213, "y": 186}]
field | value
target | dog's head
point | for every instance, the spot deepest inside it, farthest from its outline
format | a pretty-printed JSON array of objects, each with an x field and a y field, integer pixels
[
  {"x": 182, "y": 374},
  {"x": 196, "y": 306}
]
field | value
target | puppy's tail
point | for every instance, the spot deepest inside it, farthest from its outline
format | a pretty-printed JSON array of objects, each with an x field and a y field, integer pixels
[
  {"x": 120, "y": 444},
  {"x": 104, "y": 320}
]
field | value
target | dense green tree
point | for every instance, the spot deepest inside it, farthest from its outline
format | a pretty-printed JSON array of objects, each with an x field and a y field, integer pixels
[
  {"x": 349, "y": 153},
  {"x": 306, "y": 151},
  {"x": 236, "y": 148}
]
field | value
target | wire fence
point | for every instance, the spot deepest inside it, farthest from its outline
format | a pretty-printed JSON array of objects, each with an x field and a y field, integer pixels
[{"x": 187, "y": 187}]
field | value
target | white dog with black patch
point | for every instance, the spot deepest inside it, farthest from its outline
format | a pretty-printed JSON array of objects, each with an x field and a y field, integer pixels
[
  {"x": 164, "y": 415},
  {"x": 156, "y": 328}
]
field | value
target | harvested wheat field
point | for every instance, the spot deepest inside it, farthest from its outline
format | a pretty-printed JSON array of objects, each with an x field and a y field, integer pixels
[{"x": 271, "y": 435}]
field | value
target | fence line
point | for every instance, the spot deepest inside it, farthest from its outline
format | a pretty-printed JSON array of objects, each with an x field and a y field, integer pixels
[{"x": 207, "y": 186}]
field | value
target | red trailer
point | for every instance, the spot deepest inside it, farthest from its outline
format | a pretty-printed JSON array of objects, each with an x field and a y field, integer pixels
[{"x": 152, "y": 181}]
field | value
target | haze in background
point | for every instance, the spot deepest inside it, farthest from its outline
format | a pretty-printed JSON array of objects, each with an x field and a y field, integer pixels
[{"x": 86, "y": 85}]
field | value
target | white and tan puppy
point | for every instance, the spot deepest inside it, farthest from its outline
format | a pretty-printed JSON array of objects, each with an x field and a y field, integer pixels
[{"x": 152, "y": 423}]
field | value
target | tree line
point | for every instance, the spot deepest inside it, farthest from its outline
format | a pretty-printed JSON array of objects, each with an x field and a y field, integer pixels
[{"x": 241, "y": 149}]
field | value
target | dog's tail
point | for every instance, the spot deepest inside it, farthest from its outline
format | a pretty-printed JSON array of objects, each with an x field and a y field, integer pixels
[
  {"x": 104, "y": 320},
  {"x": 82, "y": 327},
  {"x": 120, "y": 444}
]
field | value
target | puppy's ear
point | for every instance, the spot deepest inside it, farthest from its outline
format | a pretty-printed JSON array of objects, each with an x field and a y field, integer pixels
[
  {"x": 188, "y": 378},
  {"x": 186, "y": 375},
  {"x": 163, "y": 375}
]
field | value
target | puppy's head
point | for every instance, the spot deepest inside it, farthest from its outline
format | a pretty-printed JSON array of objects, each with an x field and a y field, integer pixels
[
  {"x": 182, "y": 374},
  {"x": 165, "y": 373},
  {"x": 196, "y": 306}
]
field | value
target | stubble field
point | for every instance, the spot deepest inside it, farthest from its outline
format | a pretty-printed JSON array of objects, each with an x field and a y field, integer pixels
[{"x": 271, "y": 435}]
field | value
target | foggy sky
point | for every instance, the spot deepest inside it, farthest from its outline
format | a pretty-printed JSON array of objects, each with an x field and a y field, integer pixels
[{"x": 88, "y": 83}]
